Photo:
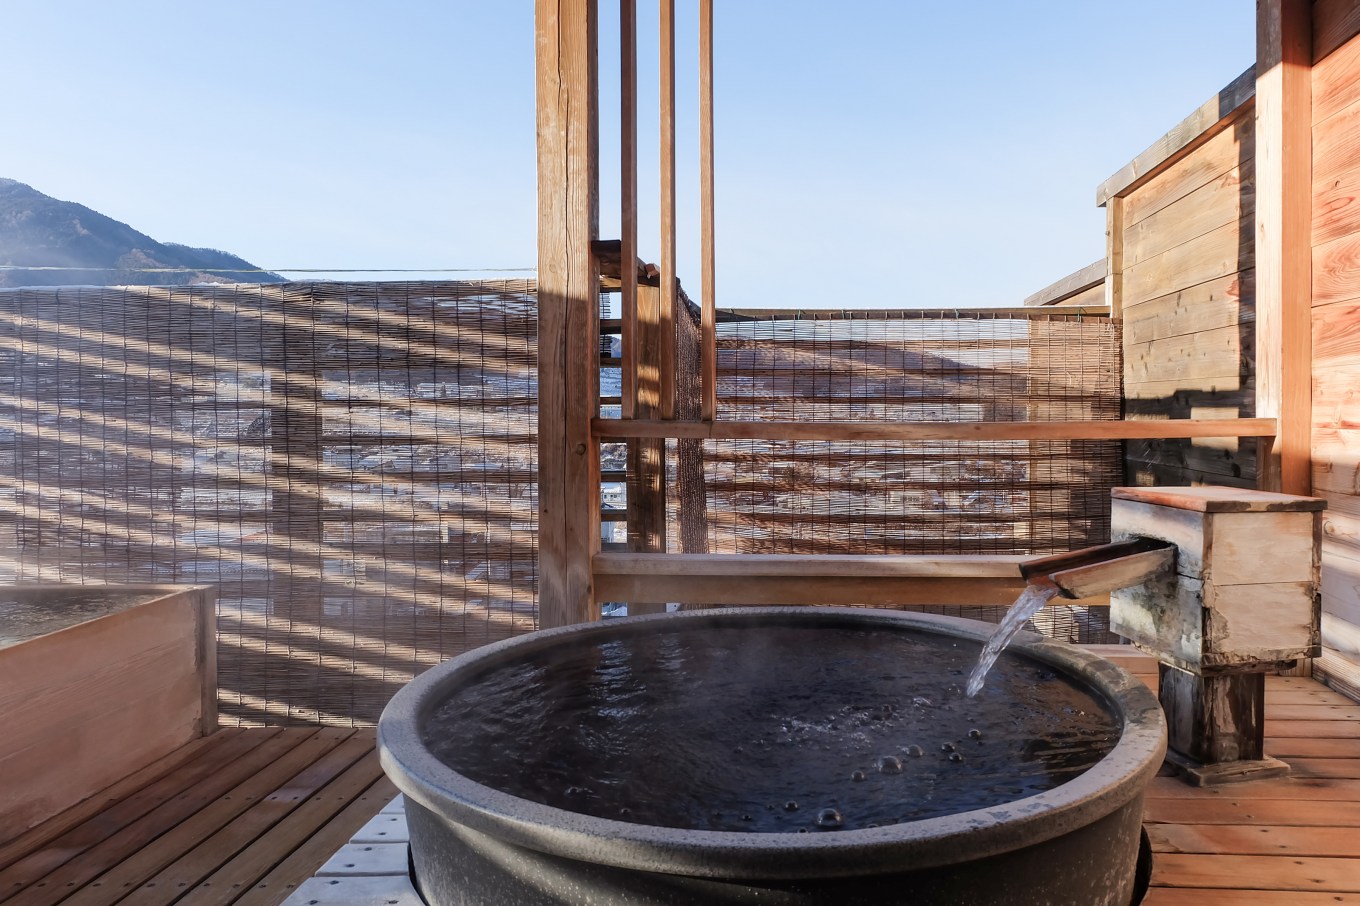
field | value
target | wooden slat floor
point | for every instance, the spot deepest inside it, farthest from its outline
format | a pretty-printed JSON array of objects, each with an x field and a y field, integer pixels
[
  {"x": 239, "y": 817},
  {"x": 1294, "y": 841},
  {"x": 244, "y": 816}
]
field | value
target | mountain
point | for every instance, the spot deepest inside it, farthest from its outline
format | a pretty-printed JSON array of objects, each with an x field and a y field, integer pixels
[{"x": 37, "y": 230}]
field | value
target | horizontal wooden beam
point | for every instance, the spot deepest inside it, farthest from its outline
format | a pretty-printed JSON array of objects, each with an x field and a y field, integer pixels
[
  {"x": 965, "y": 579},
  {"x": 734, "y": 315},
  {"x": 1210, "y": 119},
  {"x": 1090, "y": 276},
  {"x": 905, "y": 431}
]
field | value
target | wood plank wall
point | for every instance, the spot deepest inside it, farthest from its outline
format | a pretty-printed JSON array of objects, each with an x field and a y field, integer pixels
[
  {"x": 1185, "y": 246},
  {"x": 1336, "y": 315}
]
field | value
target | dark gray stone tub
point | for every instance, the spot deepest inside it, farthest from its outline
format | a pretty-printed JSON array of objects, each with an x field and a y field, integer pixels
[{"x": 1076, "y": 844}]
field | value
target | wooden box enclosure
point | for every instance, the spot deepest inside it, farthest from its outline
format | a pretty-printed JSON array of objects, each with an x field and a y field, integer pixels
[
  {"x": 92, "y": 691},
  {"x": 1244, "y": 595}
]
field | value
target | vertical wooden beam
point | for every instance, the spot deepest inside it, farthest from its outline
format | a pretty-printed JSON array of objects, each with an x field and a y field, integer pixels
[
  {"x": 628, "y": 195},
  {"x": 708, "y": 324},
  {"x": 568, "y": 306},
  {"x": 1114, "y": 256},
  {"x": 647, "y": 455},
  {"x": 1283, "y": 240},
  {"x": 669, "y": 286}
]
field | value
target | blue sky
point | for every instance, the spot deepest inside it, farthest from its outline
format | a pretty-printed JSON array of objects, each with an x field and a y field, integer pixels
[{"x": 899, "y": 154}]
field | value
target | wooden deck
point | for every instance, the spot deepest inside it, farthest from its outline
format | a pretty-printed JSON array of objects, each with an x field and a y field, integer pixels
[
  {"x": 240, "y": 817},
  {"x": 244, "y": 816},
  {"x": 1288, "y": 842}
]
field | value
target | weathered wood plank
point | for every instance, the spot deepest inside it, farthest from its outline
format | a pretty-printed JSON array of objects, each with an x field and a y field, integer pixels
[
  {"x": 1336, "y": 270},
  {"x": 1336, "y": 78},
  {"x": 150, "y": 863},
  {"x": 1213, "y": 116},
  {"x": 1225, "y": 250},
  {"x": 1074, "y": 284},
  {"x": 568, "y": 294},
  {"x": 1266, "y": 872},
  {"x": 1189, "y": 896},
  {"x": 1335, "y": 22},
  {"x": 108, "y": 850},
  {"x": 1065, "y": 430},
  {"x": 1208, "y": 355},
  {"x": 288, "y": 790},
  {"x": 1265, "y": 840},
  {"x": 708, "y": 354},
  {"x": 274, "y": 887},
  {"x": 54, "y": 827},
  {"x": 1227, "y": 199},
  {"x": 254, "y": 862},
  {"x": 1228, "y": 301},
  {"x": 1224, "y": 152},
  {"x": 1282, "y": 238}
]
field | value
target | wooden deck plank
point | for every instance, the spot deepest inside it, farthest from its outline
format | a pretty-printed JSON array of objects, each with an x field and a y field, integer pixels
[
  {"x": 79, "y": 840},
  {"x": 253, "y": 863},
  {"x": 200, "y": 861},
  {"x": 275, "y": 887},
  {"x": 205, "y": 827},
  {"x": 1268, "y": 812},
  {"x": 77, "y": 814},
  {"x": 1291, "y": 873},
  {"x": 1263, "y": 840},
  {"x": 1293, "y": 789},
  {"x": 1293, "y": 747},
  {"x": 1173, "y": 896}
]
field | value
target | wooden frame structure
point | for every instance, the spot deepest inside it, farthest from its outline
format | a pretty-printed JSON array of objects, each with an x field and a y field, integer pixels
[{"x": 573, "y": 572}]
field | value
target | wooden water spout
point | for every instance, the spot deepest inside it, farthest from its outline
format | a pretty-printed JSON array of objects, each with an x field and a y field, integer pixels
[{"x": 1104, "y": 568}]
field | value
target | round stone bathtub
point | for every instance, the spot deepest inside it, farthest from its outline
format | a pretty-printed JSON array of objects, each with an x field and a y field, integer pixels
[{"x": 1075, "y": 842}]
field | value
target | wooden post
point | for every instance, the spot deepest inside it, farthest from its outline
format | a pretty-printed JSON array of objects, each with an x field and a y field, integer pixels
[
  {"x": 647, "y": 455},
  {"x": 628, "y": 282},
  {"x": 1114, "y": 256},
  {"x": 568, "y": 306},
  {"x": 1283, "y": 241},
  {"x": 708, "y": 343},
  {"x": 669, "y": 280}
]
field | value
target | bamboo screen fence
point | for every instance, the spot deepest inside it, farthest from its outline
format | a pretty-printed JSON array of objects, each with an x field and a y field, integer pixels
[
  {"x": 938, "y": 497},
  {"x": 353, "y": 466}
]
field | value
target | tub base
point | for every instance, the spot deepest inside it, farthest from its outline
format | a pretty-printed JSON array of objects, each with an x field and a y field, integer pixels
[{"x": 1096, "y": 865}]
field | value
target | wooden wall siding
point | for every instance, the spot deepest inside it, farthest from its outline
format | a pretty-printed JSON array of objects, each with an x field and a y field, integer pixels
[
  {"x": 1336, "y": 315},
  {"x": 1188, "y": 293}
]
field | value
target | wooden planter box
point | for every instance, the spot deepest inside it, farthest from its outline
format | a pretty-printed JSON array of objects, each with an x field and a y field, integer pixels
[{"x": 97, "y": 681}]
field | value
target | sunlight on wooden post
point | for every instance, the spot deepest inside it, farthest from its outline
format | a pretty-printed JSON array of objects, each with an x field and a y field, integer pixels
[
  {"x": 568, "y": 306},
  {"x": 668, "y": 275},
  {"x": 708, "y": 341},
  {"x": 628, "y": 198},
  {"x": 1284, "y": 240}
]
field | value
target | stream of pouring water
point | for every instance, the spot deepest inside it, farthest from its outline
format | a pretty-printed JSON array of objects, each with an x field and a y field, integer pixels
[{"x": 1030, "y": 602}]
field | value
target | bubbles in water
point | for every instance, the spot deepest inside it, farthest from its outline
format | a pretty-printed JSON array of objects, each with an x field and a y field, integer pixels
[
  {"x": 575, "y": 791},
  {"x": 790, "y": 806},
  {"x": 858, "y": 776},
  {"x": 915, "y": 751},
  {"x": 829, "y": 819},
  {"x": 921, "y": 701},
  {"x": 955, "y": 757},
  {"x": 948, "y": 747},
  {"x": 889, "y": 764},
  {"x": 975, "y": 733}
]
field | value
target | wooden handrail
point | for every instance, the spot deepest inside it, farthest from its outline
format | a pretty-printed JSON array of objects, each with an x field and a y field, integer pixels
[
  {"x": 906, "y": 431},
  {"x": 884, "y": 580}
]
